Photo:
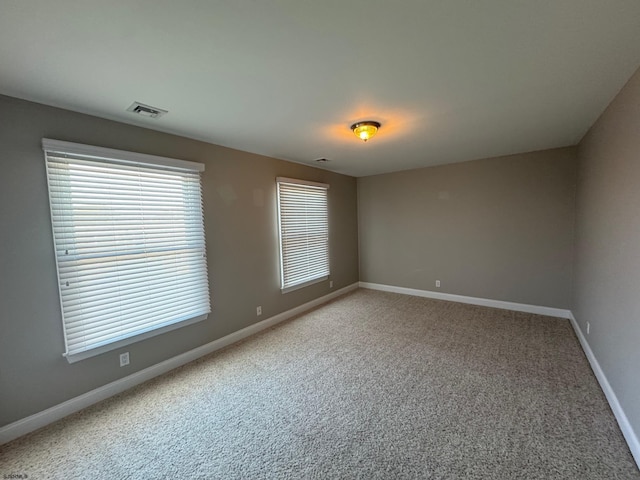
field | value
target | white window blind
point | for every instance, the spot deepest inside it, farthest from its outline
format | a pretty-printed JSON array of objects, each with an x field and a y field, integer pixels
[
  {"x": 129, "y": 243},
  {"x": 304, "y": 232}
]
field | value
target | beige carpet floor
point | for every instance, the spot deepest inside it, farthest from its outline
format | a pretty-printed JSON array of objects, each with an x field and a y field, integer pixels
[{"x": 372, "y": 385}]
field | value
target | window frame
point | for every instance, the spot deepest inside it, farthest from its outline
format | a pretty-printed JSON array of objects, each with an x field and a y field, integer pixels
[
  {"x": 146, "y": 163},
  {"x": 285, "y": 286}
]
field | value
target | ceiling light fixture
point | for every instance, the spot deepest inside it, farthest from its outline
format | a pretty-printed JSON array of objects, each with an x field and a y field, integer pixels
[{"x": 365, "y": 130}]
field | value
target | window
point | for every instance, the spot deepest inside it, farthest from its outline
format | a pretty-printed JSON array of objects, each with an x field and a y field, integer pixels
[
  {"x": 304, "y": 233},
  {"x": 129, "y": 243}
]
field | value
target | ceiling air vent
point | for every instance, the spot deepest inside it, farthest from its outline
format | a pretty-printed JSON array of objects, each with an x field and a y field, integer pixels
[{"x": 146, "y": 110}]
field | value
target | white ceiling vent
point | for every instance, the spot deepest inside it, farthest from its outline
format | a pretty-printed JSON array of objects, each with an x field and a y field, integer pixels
[{"x": 146, "y": 110}]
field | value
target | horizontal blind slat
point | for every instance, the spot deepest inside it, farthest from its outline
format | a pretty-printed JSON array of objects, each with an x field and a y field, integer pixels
[
  {"x": 104, "y": 301},
  {"x": 304, "y": 232},
  {"x": 130, "y": 247},
  {"x": 144, "y": 315}
]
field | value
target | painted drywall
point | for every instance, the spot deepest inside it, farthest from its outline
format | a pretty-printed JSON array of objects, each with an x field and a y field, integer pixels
[
  {"x": 499, "y": 228},
  {"x": 607, "y": 273},
  {"x": 242, "y": 250}
]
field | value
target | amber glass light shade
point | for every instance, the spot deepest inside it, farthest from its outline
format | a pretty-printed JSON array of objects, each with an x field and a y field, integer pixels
[{"x": 365, "y": 130}]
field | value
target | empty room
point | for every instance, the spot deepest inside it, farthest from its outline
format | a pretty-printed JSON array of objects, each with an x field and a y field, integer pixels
[{"x": 288, "y": 239}]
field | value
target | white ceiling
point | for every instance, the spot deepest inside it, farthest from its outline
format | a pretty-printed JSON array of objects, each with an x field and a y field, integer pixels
[{"x": 449, "y": 80}]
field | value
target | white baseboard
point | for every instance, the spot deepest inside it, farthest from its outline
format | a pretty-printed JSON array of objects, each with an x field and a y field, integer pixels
[
  {"x": 50, "y": 415},
  {"x": 485, "y": 302},
  {"x": 627, "y": 430}
]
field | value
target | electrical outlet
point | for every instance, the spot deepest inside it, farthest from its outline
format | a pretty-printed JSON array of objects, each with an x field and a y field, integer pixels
[
  {"x": 588, "y": 328},
  {"x": 330, "y": 283},
  {"x": 438, "y": 283},
  {"x": 259, "y": 311},
  {"x": 124, "y": 359}
]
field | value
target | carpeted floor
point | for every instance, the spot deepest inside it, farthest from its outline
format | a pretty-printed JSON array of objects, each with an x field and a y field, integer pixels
[{"x": 372, "y": 385}]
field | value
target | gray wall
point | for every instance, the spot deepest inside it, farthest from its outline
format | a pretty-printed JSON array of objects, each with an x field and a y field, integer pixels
[
  {"x": 607, "y": 274},
  {"x": 242, "y": 249},
  {"x": 499, "y": 228}
]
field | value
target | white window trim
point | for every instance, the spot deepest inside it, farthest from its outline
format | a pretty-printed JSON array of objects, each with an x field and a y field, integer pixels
[
  {"x": 106, "y": 155},
  {"x": 294, "y": 181}
]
